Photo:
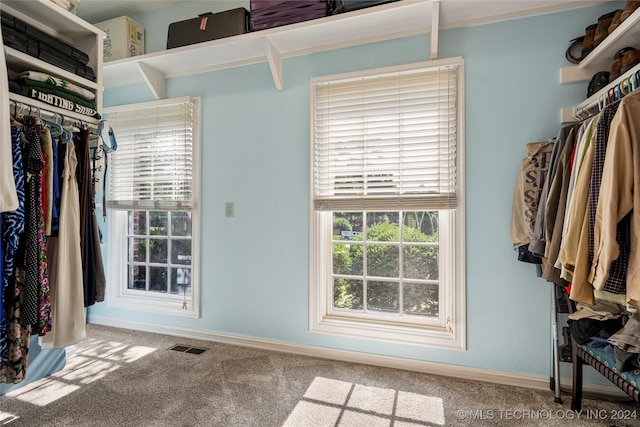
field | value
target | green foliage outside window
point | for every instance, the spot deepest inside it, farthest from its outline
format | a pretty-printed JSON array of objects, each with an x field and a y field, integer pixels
[{"x": 419, "y": 262}]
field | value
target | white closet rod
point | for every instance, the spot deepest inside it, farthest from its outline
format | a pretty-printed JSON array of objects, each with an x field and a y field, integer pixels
[
  {"x": 20, "y": 107},
  {"x": 612, "y": 92}
]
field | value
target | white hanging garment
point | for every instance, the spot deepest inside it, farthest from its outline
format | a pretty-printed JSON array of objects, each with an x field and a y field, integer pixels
[
  {"x": 65, "y": 265},
  {"x": 8, "y": 195}
]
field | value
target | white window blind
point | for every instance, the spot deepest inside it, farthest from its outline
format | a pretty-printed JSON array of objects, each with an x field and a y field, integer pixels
[
  {"x": 386, "y": 140},
  {"x": 153, "y": 165}
]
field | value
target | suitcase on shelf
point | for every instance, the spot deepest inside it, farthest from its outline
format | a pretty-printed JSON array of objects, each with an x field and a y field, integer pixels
[
  {"x": 341, "y": 6},
  {"x": 275, "y": 13},
  {"x": 208, "y": 26}
]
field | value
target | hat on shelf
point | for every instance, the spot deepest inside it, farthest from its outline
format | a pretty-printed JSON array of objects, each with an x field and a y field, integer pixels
[{"x": 597, "y": 82}]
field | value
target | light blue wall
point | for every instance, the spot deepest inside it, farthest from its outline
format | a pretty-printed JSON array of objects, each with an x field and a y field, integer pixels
[{"x": 255, "y": 154}]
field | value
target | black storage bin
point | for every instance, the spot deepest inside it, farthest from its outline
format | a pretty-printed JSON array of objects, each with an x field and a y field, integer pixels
[
  {"x": 275, "y": 13},
  {"x": 34, "y": 42},
  {"x": 340, "y": 6},
  {"x": 208, "y": 26}
]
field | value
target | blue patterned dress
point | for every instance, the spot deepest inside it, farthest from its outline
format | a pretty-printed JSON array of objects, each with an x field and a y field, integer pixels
[{"x": 12, "y": 229}]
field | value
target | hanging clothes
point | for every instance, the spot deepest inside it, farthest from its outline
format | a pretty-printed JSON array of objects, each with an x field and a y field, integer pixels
[
  {"x": 585, "y": 134},
  {"x": 618, "y": 197},
  {"x": 47, "y": 179},
  {"x": 574, "y": 253},
  {"x": 101, "y": 280},
  {"x": 533, "y": 170},
  {"x": 12, "y": 229},
  {"x": 18, "y": 335},
  {"x": 57, "y": 178},
  {"x": 538, "y": 239},
  {"x": 97, "y": 156},
  {"x": 50, "y": 250},
  {"x": 92, "y": 264},
  {"x": 554, "y": 219},
  {"x": 86, "y": 224},
  {"x": 617, "y": 277},
  {"x": 36, "y": 309},
  {"x": 65, "y": 264}
]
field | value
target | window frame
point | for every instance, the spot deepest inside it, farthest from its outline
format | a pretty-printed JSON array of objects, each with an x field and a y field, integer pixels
[
  {"x": 449, "y": 331},
  {"x": 119, "y": 295}
]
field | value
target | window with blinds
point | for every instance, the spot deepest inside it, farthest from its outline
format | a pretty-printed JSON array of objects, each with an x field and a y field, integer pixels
[
  {"x": 387, "y": 228},
  {"x": 386, "y": 141},
  {"x": 153, "y": 165},
  {"x": 154, "y": 215}
]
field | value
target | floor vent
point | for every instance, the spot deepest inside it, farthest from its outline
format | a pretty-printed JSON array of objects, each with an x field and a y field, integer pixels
[{"x": 186, "y": 349}]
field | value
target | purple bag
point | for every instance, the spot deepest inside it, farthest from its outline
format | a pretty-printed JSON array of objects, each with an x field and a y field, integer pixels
[{"x": 275, "y": 13}]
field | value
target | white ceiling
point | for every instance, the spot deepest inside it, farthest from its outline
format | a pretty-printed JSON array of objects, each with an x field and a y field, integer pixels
[{"x": 453, "y": 13}]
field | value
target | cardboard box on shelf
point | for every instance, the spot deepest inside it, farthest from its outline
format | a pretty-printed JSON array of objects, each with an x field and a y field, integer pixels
[{"x": 124, "y": 38}]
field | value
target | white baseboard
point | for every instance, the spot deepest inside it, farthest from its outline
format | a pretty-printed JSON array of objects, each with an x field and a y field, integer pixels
[{"x": 456, "y": 371}]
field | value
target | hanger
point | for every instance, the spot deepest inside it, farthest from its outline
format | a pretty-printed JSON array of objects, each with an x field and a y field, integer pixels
[
  {"x": 602, "y": 102},
  {"x": 54, "y": 127},
  {"x": 67, "y": 136}
]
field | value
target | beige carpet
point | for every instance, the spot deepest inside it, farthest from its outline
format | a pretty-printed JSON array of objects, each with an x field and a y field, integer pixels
[{"x": 129, "y": 378}]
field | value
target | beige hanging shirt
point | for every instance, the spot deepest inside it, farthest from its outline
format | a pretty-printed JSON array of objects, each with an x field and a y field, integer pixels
[
  {"x": 619, "y": 195},
  {"x": 574, "y": 252}
]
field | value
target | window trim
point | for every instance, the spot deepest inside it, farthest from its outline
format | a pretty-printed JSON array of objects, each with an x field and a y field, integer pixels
[
  {"x": 119, "y": 295},
  {"x": 450, "y": 333}
]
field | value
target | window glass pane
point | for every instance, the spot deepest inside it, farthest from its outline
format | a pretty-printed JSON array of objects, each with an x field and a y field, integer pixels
[
  {"x": 137, "y": 277},
  {"x": 420, "y": 299},
  {"x": 347, "y": 259},
  {"x": 383, "y": 260},
  {"x": 158, "y": 279},
  {"x": 383, "y": 226},
  {"x": 158, "y": 223},
  {"x": 158, "y": 250},
  {"x": 347, "y": 225},
  {"x": 181, "y": 281},
  {"x": 420, "y": 262},
  {"x": 420, "y": 226},
  {"x": 383, "y": 296},
  {"x": 181, "y": 251},
  {"x": 137, "y": 249},
  {"x": 181, "y": 224},
  {"x": 138, "y": 223},
  {"x": 347, "y": 293}
]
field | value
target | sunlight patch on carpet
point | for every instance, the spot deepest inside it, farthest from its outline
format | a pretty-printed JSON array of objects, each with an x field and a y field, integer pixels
[
  {"x": 328, "y": 391},
  {"x": 91, "y": 362},
  {"x": 6, "y": 417},
  {"x": 115, "y": 351},
  {"x": 85, "y": 370},
  {"x": 333, "y": 402},
  {"x": 372, "y": 399},
  {"x": 420, "y": 407},
  {"x": 43, "y": 392},
  {"x": 312, "y": 415}
]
